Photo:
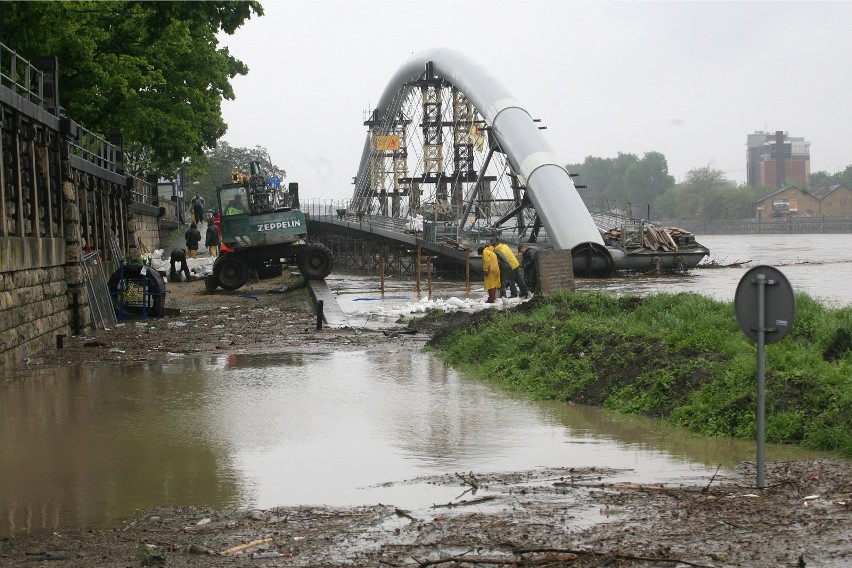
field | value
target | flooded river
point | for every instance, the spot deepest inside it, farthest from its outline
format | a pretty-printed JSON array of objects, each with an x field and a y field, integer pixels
[
  {"x": 819, "y": 265},
  {"x": 88, "y": 446}
]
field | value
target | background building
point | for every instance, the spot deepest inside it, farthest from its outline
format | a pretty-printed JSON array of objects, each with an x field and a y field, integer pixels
[
  {"x": 830, "y": 201},
  {"x": 777, "y": 160}
]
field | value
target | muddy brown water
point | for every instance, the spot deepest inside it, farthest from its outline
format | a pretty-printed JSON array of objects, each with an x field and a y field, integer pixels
[
  {"x": 819, "y": 265},
  {"x": 89, "y": 446}
]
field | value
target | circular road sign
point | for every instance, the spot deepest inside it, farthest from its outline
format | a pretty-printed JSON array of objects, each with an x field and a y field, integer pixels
[{"x": 779, "y": 304}]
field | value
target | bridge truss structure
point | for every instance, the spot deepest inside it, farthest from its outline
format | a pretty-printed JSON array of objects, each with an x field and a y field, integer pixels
[
  {"x": 452, "y": 153},
  {"x": 452, "y": 161}
]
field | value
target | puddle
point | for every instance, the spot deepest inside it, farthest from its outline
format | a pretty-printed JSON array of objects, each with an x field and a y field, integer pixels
[{"x": 88, "y": 446}]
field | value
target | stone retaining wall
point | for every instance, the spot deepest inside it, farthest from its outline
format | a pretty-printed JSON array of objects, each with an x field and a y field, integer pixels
[
  {"x": 61, "y": 197},
  {"x": 33, "y": 297},
  {"x": 145, "y": 223}
]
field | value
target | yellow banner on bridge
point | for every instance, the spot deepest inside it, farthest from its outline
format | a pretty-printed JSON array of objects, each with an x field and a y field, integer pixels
[
  {"x": 477, "y": 137},
  {"x": 387, "y": 143}
]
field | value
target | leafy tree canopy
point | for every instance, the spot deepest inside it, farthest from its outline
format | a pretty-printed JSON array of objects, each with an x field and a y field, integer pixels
[
  {"x": 824, "y": 179},
  {"x": 625, "y": 179},
  {"x": 151, "y": 71},
  {"x": 706, "y": 194},
  {"x": 218, "y": 163}
]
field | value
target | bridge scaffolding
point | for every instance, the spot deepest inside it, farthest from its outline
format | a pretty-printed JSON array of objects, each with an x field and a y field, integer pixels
[{"x": 502, "y": 182}]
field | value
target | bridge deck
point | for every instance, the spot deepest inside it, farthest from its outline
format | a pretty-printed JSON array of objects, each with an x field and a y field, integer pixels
[{"x": 442, "y": 239}]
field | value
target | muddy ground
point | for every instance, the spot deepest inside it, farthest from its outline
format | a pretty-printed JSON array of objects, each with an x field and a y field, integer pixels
[{"x": 546, "y": 517}]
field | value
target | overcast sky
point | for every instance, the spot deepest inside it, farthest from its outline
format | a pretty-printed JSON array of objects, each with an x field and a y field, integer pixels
[{"x": 687, "y": 79}]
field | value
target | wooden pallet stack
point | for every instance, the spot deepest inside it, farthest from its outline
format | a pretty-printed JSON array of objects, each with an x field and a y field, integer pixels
[{"x": 653, "y": 238}]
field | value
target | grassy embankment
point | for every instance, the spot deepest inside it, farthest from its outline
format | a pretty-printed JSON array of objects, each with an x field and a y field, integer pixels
[{"x": 678, "y": 357}]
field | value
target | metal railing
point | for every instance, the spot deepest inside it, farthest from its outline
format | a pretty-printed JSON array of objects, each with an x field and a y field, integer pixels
[
  {"x": 342, "y": 211},
  {"x": 793, "y": 225},
  {"x": 21, "y": 76},
  {"x": 88, "y": 146},
  {"x": 25, "y": 79},
  {"x": 430, "y": 230},
  {"x": 607, "y": 221},
  {"x": 317, "y": 208},
  {"x": 144, "y": 192}
]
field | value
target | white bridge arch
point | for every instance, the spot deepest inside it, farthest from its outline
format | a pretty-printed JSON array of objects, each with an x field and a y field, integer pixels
[{"x": 540, "y": 192}]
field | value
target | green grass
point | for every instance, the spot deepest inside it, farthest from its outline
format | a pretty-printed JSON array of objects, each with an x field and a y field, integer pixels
[
  {"x": 172, "y": 237},
  {"x": 678, "y": 357}
]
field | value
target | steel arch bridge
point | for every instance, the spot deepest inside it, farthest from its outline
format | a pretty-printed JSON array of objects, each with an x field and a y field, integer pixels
[
  {"x": 451, "y": 159},
  {"x": 450, "y": 147}
]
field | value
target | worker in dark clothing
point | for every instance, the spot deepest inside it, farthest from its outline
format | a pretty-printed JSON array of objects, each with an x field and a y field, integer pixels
[
  {"x": 193, "y": 237},
  {"x": 197, "y": 208},
  {"x": 178, "y": 255},
  {"x": 505, "y": 271},
  {"x": 211, "y": 239},
  {"x": 528, "y": 265}
]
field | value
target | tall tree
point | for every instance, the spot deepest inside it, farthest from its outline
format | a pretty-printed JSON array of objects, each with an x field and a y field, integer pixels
[
  {"x": 625, "y": 179},
  {"x": 151, "y": 71},
  {"x": 739, "y": 203},
  {"x": 845, "y": 177},
  {"x": 822, "y": 179},
  {"x": 594, "y": 174},
  {"x": 705, "y": 179},
  {"x": 645, "y": 180},
  {"x": 706, "y": 194},
  {"x": 222, "y": 160}
]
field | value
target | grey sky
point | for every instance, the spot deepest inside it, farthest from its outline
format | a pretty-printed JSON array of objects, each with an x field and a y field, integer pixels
[{"x": 688, "y": 79}]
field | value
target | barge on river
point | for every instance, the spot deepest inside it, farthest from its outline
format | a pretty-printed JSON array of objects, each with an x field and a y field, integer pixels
[
  {"x": 638, "y": 245},
  {"x": 634, "y": 245}
]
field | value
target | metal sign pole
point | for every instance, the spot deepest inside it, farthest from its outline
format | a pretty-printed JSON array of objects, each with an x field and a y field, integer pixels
[
  {"x": 761, "y": 380},
  {"x": 768, "y": 290}
]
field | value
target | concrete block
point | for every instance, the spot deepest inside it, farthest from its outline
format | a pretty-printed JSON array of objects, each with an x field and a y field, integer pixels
[
  {"x": 555, "y": 269},
  {"x": 24, "y": 253}
]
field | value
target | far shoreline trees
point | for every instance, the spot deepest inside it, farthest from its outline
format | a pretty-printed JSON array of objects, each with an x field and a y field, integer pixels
[
  {"x": 643, "y": 188},
  {"x": 707, "y": 195},
  {"x": 625, "y": 182}
]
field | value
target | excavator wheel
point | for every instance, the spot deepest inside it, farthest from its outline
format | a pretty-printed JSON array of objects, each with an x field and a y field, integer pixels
[
  {"x": 230, "y": 271},
  {"x": 315, "y": 261}
]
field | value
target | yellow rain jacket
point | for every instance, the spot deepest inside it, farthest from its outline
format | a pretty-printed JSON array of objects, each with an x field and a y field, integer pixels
[
  {"x": 490, "y": 268},
  {"x": 510, "y": 256}
]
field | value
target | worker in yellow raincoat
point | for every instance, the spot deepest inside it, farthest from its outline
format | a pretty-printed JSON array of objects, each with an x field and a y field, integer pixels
[
  {"x": 513, "y": 277},
  {"x": 491, "y": 270}
]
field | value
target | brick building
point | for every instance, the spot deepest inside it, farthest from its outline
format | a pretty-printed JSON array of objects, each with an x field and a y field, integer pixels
[
  {"x": 777, "y": 160},
  {"x": 834, "y": 200},
  {"x": 831, "y": 201}
]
